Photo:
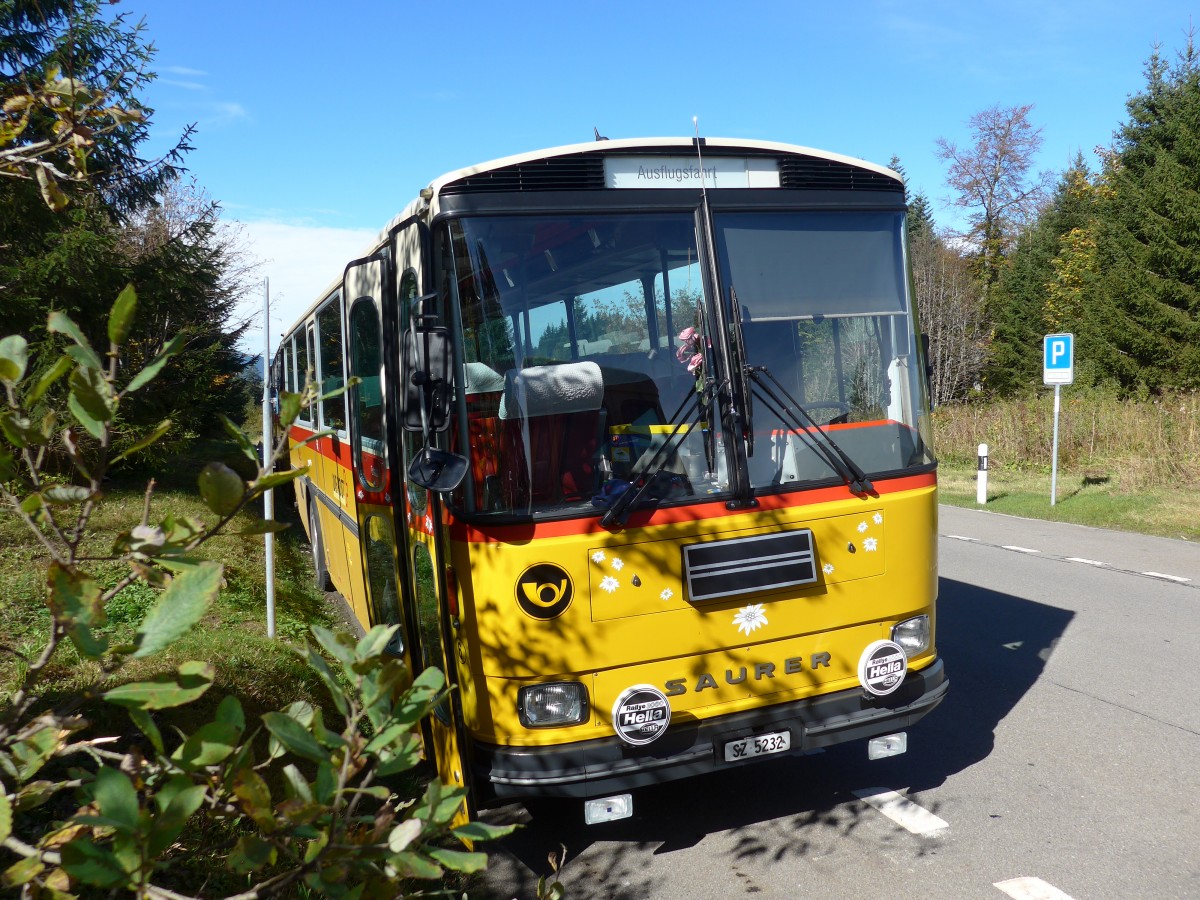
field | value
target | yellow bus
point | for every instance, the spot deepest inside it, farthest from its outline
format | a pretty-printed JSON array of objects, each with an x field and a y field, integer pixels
[{"x": 639, "y": 456}]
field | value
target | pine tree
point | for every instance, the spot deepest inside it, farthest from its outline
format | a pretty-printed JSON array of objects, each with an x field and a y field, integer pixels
[{"x": 1148, "y": 235}]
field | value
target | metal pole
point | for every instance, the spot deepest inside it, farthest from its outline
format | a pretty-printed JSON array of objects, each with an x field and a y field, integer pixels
[
  {"x": 981, "y": 476},
  {"x": 1054, "y": 464},
  {"x": 268, "y": 435}
]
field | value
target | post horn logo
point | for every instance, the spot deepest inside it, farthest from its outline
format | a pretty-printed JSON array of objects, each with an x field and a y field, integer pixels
[{"x": 544, "y": 591}]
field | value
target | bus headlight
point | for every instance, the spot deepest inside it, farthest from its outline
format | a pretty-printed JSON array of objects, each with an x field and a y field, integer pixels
[
  {"x": 551, "y": 704},
  {"x": 912, "y": 635}
]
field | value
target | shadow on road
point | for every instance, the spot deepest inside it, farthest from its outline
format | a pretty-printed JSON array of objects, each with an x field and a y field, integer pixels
[{"x": 995, "y": 646}]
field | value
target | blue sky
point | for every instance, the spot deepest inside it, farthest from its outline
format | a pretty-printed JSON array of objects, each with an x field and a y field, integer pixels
[{"x": 317, "y": 122}]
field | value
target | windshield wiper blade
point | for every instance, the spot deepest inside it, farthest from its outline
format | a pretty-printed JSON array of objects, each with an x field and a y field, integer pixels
[
  {"x": 625, "y": 503},
  {"x": 834, "y": 455}
]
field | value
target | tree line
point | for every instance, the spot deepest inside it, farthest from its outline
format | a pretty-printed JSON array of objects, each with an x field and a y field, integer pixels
[
  {"x": 1111, "y": 254},
  {"x": 84, "y": 211}
]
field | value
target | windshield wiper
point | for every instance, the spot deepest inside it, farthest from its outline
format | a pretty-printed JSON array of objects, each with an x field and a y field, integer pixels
[
  {"x": 625, "y": 502},
  {"x": 845, "y": 466}
]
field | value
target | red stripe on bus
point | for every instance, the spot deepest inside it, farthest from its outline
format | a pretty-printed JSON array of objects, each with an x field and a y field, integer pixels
[{"x": 489, "y": 534}]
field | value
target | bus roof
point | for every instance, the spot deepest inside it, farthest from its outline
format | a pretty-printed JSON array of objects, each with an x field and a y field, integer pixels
[{"x": 430, "y": 193}]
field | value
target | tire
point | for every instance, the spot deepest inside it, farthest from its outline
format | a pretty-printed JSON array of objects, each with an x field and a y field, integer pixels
[{"x": 320, "y": 568}]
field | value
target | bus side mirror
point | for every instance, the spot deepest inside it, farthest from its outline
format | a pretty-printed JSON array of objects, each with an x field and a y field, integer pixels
[{"x": 426, "y": 387}]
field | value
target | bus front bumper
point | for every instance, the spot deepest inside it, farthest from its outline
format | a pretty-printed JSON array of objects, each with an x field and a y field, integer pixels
[{"x": 608, "y": 765}]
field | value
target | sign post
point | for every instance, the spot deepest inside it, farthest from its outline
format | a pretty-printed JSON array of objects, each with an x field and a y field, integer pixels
[
  {"x": 268, "y": 442},
  {"x": 1058, "y": 368}
]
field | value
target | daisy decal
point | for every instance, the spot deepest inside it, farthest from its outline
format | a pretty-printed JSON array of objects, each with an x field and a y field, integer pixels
[
  {"x": 877, "y": 518},
  {"x": 870, "y": 545},
  {"x": 429, "y": 523},
  {"x": 667, "y": 594},
  {"x": 617, "y": 564},
  {"x": 827, "y": 568},
  {"x": 598, "y": 556},
  {"x": 750, "y": 618},
  {"x": 609, "y": 584},
  {"x": 862, "y": 526}
]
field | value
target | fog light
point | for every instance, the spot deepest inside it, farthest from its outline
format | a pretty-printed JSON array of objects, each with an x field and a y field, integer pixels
[
  {"x": 888, "y": 745},
  {"x": 608, "y": 809},
  {"x": 912, "y": 635},
  {"x": 552, "y": 704}
]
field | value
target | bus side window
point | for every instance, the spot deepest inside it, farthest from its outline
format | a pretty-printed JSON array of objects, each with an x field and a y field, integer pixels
[
  {"x": 366, "y": 398},
  {"x": 329, "y": 340}
]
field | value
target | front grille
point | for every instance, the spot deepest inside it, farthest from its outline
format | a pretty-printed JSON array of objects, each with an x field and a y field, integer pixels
[
  {"x": 579, "y": 172},
  {"x": 767, "y": 562}
]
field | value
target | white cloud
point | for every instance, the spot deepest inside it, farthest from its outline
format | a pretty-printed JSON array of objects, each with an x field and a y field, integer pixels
[{"x": 301, "y": 262}]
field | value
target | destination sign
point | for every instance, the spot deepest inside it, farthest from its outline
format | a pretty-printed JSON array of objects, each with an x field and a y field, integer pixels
[{"x": 623, "y": 172}]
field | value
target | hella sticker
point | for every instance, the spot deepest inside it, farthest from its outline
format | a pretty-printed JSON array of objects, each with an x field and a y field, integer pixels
[
  {"x": 641, "y": 714},
  {"x": 882, "y": 667}
]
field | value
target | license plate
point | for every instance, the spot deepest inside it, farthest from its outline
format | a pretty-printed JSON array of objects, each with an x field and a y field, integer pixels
[{"x": 758, "y": 745}]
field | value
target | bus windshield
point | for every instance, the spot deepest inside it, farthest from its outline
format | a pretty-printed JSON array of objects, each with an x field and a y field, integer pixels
[{"x": 586, "y": 341}]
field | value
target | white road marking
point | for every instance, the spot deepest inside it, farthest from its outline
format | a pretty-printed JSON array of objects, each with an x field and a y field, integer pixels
[
  {"x": 1030, "y": 888},
  {"x": 1020, "y": 549},
  {"x": 902, "y": 811},
  {"x": 960, "y": 537},
  {"x": 1177, "y": 578},
  {"x": 1085, "y": 561}
]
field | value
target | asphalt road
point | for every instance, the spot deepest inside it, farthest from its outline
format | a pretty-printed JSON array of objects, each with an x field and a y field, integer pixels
[{"x": 1063, "y": 764}]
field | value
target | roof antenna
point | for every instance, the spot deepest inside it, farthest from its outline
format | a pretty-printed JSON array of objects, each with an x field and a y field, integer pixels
[{"x": 599, "y": 136}]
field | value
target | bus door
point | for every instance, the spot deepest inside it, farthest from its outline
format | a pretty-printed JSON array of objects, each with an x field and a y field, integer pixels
[
  {"x": 376, "y": 540},
  {"x": 429, "y": 582}
]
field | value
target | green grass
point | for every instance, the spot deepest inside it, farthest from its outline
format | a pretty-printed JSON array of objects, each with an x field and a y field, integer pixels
[{"x": 1082, "y": 500}]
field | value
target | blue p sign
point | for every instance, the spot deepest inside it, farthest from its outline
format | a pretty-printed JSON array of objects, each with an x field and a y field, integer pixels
[{"x": 1058, "y": 359}]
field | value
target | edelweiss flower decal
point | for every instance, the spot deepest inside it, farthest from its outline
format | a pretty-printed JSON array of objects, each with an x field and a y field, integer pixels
[
  {"x": 750, "y": 618},
  {"x": 617, "y": 564},
  {"x": 877, "y": 518},
  {"x": 862, "y": 526},
  {"x": 598, "y": 556},
  {"x": 667, "y": 594},
  {"x": 610, "y": 584},
  {"x": 870, "y": 545},
  {"x": 827, "y": 568}
]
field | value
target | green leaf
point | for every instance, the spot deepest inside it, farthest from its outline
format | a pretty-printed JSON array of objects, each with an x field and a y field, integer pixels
[
  {"x": 148, "y": 374},
  {"x": 412, "y": 865},
  {"x": 482, "y": 831},
  {"x": 6, "y": 818},
  {"x": 460, "y": 860},
  {"x": 169, "y": 824},
  {"x": 159, "y": 430},
  {"x": 55, "y": 372},
  {"x": 165, "y": 691},
  {"x": 91, "y": 400},
  {"x": 404, "y": 834},
  {"x": 146, "y": 726},
  {"x": 221, "y": 488},
  {"x": 299, "y": 787},
  {"x": 289, "y": 407},
  {"x": 252, "y": 790},
  {"x": 294, "y": 736},
  {"x": 14, "y": 358},
  {"x": 51, "y": 193},
  {"x": 21, "y": 432},
  {"x": 66, "y": 494},
  {"x": 30, "y": 754},
  {"x": 36, "y": 793},
  {"x": 75, "y": 601},
  {"x": 230, "y": 712},
  {"x": 8, "y": 466},
  {"x": 21, "y": 872},
  {"x": 121, "y": 316},
  {"x": 91, "y": 864},
  {"x": 242, "y": 440},
  {"x": 275, "y": 479},
  {"x": 208, "y": 745},
  {"x": 336, "y": 691},
  {"x": 116, "y": 797},
  {"x": 179, "y": 608},
  {"x": 60, "y": 323},
  {"x": 250, "y": 854}
]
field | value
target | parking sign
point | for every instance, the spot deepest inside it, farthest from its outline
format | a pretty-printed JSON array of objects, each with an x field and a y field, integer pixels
[{"x": 1058, "y": 359}]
